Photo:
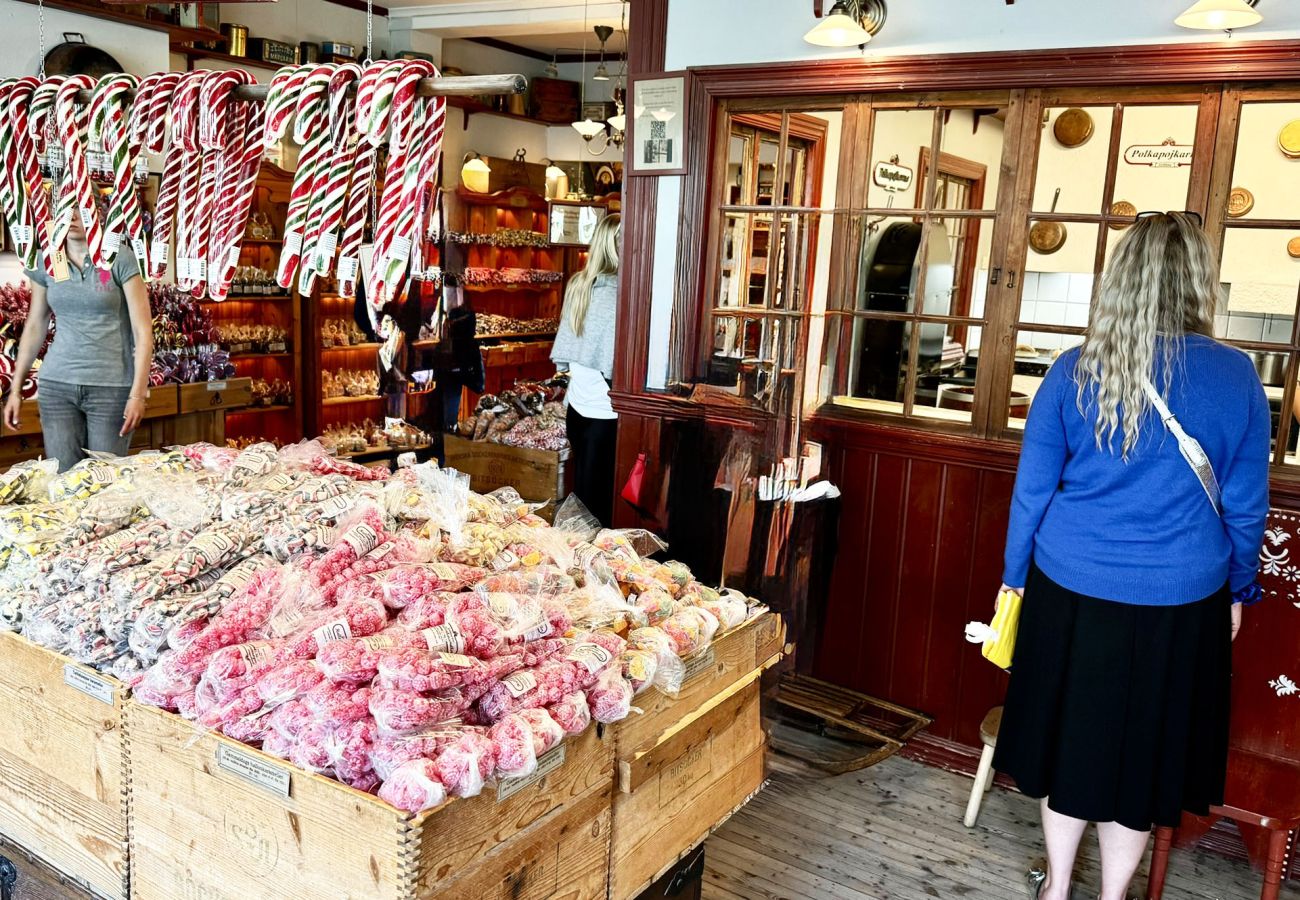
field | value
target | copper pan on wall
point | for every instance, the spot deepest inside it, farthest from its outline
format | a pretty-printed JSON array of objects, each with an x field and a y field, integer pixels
[{"x": 1048, "y": 237}]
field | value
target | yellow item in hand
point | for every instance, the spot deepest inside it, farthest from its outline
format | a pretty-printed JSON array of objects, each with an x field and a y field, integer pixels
[{"x": 999, "y": 636}]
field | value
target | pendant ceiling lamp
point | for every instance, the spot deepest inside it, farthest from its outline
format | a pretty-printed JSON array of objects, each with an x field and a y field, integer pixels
[
  {"x": 1220, "y": 15},
  {"x": 850, "y": 23}
]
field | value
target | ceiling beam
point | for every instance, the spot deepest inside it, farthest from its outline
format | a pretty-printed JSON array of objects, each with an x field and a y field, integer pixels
[{"x": 503, "y": 18}]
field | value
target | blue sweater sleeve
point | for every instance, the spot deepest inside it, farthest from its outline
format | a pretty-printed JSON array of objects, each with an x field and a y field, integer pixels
[
  {"x": 1042, "y": 459},
  {"x": 1244, "y": 488}
]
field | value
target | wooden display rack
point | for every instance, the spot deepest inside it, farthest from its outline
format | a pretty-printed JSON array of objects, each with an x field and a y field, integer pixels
[
  {"x": 63, "y": 794},
  {"x": 211, "y": 817}
]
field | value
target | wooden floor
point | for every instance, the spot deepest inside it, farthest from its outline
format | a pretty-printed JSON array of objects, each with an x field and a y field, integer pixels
[{"x": 894, "y": 832}]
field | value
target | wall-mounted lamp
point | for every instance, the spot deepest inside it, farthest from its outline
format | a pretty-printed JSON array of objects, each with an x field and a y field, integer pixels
[
  {"x": 474, "y": 173},
  {"x": 850, "y": 23},
  {"x": 557, "y": 181},
  {"x": 1220, "y": 15}
]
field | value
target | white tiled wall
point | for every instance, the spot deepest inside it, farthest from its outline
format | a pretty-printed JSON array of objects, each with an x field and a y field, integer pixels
[{"x": 1055, "y": 298}]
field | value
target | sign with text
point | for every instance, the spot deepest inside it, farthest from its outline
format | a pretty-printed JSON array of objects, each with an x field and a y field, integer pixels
[
  {"x": 1166, "y": 155},
  {"x": 892, "y": 177}
]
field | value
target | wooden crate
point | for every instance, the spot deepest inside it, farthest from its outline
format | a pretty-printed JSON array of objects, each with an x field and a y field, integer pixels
[
  {"x": 200, "y": 830},
  {"x": 672, "y": 795},
  {"x": 63, "y": 784},
  {"x": 737, "y": 657},
  {"x": 538, "y": 475},
  {"x": 213, "y": 395}
]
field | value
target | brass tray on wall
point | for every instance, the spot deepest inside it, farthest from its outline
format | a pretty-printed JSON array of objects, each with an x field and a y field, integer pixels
[
  {"x": 1073, "y": 127},
  {"x": 1240, "y": 202}
]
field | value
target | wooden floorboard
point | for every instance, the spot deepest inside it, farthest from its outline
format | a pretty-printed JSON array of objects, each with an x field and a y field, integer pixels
[{"x": 894, "y": 832}]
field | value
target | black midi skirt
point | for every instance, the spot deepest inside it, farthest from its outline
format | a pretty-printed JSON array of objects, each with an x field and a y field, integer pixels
[{"x": 1116, "y": 712}]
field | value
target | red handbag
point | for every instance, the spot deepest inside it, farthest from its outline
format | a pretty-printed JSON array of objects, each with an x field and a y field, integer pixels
[{"x": 634, "y": 489}]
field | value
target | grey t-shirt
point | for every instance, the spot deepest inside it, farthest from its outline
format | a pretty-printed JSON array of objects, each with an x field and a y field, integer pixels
[{"x": 93, "y": 342}]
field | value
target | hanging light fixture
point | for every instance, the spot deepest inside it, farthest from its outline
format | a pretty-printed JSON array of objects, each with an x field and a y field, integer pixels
[
  {"x": 552, "y": 69},
  {"x": 1220, "y": 15},
  {"x": 588, "y": 129},
  {"x": 850, "y": 23},
  {"x": 602, "y": 34}
]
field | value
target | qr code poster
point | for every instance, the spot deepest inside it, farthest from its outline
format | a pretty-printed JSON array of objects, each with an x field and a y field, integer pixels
[{"x": 658, "y": 140}]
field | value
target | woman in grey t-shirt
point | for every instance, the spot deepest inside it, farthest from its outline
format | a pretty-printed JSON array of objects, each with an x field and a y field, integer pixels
[{"x": 94, "y": 380}]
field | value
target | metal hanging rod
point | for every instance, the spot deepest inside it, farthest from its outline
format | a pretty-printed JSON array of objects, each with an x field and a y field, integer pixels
[{"x": 452, "y": 86}]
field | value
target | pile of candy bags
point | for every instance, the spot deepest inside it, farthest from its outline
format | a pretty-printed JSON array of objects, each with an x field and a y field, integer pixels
[{"x": 393, "y": 630}]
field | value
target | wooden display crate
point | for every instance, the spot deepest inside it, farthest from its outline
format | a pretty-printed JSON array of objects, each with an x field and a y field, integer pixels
[
  {"x": 214, "y": 395},
  {"x": 671, "y": 796},
  {"x": 213, "y": 818},
  {"x": 63, "y": 783},
  {"x": 737, "y": 657},
  {"x": 538, "y": 475}
]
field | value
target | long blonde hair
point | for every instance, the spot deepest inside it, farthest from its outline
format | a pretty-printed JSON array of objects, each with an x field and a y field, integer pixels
[
  {"x": 1162, "y": 281},
  {"x": 602, "y": 259}
]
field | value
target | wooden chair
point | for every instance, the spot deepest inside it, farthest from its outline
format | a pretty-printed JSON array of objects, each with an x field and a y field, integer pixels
[
  {"x": 984, "y": 775},
  {"x": 1262, "y": 793}
]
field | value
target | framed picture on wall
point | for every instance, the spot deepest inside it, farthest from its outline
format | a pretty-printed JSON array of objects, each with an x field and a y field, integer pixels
[
  {"x": 657, "y": 125},
  {"x": 573, "y": 222}
]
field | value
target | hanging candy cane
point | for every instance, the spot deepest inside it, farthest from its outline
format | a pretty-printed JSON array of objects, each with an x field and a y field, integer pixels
[
  {"x": 72, "y": 121},
  {"x": 110, "y": 105},
  {"x": 44, "y": 132},
  {"x": 327, "y": 209},
  {"x": 282, "y": 102},
  {"x": 363, "y": 177},
  {"x": 184, "y": 164},
  {"x": 311, "y": 130},
  {"x": 423, "y": 154},
  {"x": 221, "y": 268},
  {"x": 13, "y": 194},
  {"x": 182, "y": 102},
  {"x": 21, "y": 100}
]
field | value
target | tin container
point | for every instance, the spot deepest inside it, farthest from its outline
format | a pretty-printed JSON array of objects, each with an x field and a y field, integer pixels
[
  {"x": 337, "y": 48},
  {"x": 236, "y": 38},
  {"x": 308, "y": 52}
]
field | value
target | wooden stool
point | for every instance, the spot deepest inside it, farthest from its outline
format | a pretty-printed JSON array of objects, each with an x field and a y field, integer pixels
[{"x": 984, "y": 776}]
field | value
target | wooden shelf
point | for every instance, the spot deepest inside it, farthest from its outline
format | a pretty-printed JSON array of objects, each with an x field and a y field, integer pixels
[
  {"x": 250, "y": 410},
  {"x": 509, "y": 198},
  {"x": 276, "y": 241},
  {"x": 343, "y": 401},
  {"x": 369, "y": 346},
  {"x": 108, "y": 13},
  {"x": 514, "y": 288},
  {"x": 515, "y": 336},
  {"x": 259, "y": 297},
  {"x": 471, "y": 107},
  {"x": 238, "y": 356},
  {"x": 193, "y": 53}
]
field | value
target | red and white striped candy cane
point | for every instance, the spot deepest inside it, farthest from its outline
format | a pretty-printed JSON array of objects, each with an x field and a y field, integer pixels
[
  {"x": 44, "y": 131},
  {"x": 215, "y": 191},
  {"x": 389, "y": 245},
  {"x": 312, "y": 131},
  {"x": 423, "y": 153},
  {"x": 109, "y": 131},
  {"x": 375, "y": 99},
  {"x": 21, "y": 100},
  {"x": 327, "y": 206},
  {"x": 72, "y": 122},
  {"x": 282, "y": 102},
  {"x": 182, "y": 102},
  {"x": 184, "y": 165},
  {"x": 13, "y": 195},
  {"x": 221, "y": 269},
  {"x": 151, "y": 123},
  {"x": 354, "y": 229}
]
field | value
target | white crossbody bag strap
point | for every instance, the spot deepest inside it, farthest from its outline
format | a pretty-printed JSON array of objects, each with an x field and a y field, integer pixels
[{"x": 1187, "y": 445}]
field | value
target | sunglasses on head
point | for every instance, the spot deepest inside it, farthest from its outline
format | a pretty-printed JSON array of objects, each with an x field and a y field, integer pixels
[{"x": 1191, "y": 214}]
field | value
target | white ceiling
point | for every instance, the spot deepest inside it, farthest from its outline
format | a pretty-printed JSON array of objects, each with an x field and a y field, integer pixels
[{"x": 569, "y": 42}]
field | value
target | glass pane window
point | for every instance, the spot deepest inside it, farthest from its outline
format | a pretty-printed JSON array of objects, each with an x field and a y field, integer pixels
[
  {"x": 1073, "y": 154},
  {"x": 1266, "y": 171},
  {"x": 1154, "y": 167},
  {"x": 1261, "y": 284}
]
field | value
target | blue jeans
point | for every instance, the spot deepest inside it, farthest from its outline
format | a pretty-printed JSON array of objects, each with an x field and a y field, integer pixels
[{"x": 80, "y": 417}]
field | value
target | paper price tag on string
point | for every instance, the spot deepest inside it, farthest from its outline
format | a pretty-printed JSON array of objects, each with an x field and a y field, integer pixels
[
  {"x": 137, "y": 247},
  {"x": 87, "y": 217},
  {"x": 22, "y": 235},
  {"x": 158, "y": 251},
  {"x": 328, "y": 244},
  {"x": 232, "y": 259},
  {"x": 292, "y": 242},
  {"x": 112, "y": 242},
  {"x": 141, "y": 169},
  {"x": 400, "y": 250},
  {"x": 347, "y": 268}
]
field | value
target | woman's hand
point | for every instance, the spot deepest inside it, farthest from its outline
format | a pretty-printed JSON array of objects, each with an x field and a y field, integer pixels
[
  {"x": 13, "y": 406},
  {"x": 132, "y": 416},
  {"x": 1019, "y": 592},
  {"x": 1236, "y": 619}
]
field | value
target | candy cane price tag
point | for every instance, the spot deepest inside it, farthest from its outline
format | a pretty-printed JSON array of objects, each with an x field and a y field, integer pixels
[
  {"x": 348, "y": 266},
  {"x": 87, "y": 217},
  {"x": 112, "y": 242},
  {"x": 400, "y": 251},
  {"x": 232, "y": 259},
  {"x": 22, "y": 234},
  {"x": 292, "y": 242},
  {"x": 137, "y": 246},
  {"x": 158, "y": 251}
]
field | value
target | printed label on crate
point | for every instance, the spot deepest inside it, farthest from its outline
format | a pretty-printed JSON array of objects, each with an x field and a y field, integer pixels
[
  {"x": 216, "y": 385},
  {"x": 348, "y": 267},
  {"x": 337, "y": 630},
  {"x": 89, "y": 684},
  {"x": 456, "y": 660},
  {"x": 361, "y": 538},
  {"x": 254, "y": 770},
  {"x": 546, "y": 764},
  {"x": 592, "y": 657},
  {"x": 699, "y": 664},
  {"x": 520, "y": 683},
  {"x": 444, "y": 638}
]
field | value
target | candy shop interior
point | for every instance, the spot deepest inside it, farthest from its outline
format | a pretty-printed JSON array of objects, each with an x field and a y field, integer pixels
[{"x": 387, "y": 582}]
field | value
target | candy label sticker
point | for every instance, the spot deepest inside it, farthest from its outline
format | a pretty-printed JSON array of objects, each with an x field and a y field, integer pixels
[
  {"x": 378, "y": 642},
  {"x": 254, "y": 770},
  {"x": 501, "y": 604},
  {"x": 444, "y": 639},
  {"x": 87, "y": 217},
  {"x": 279, "y": 482},
  {"x": 90, "y": 685},
  {"x": 22, "y": 234},
  {"x": 457, "y": 660},
  {"x": 405, "y": 460},
  {"x": 337, "y": 630},
  {"x": 520, "y": 683},
  {"x": 592, "y": 657},
  {"x": 292, "y": 242},
  {"x": 383, "y": 550},
  {"x": 112, "y": 242},
  {"x": 232, "y": 258},
  {"x": 361, "y": 538},
  {"x": 506, "y": 559},
  {"x": 400, "y": 250},
  {"x": 255, "y": 653},
  {"x": 547, "y": 763},
  {"x": 347, "y": 268},
  {"x": 158, "y": 252},
  {"x": 137, "y": 247},
  {"x": 537, "y": 632}
]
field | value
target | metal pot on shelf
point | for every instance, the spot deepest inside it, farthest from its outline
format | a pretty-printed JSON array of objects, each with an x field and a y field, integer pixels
[{"x": 1271, "y": 367}]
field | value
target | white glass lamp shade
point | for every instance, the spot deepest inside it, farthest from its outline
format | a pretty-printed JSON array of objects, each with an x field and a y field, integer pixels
[
  {"x": 838, "y": 29},
  {"x": 557, "y": 183},
  {"x": 588, "y": 129},
  {"x": 474, "y": 175},
  {"x": 601, "y": 73},
  {"x": 1219, "y": 15},
  {"x": 618, "y": 122}
]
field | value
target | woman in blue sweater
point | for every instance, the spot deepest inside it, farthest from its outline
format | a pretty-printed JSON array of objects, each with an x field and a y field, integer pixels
[{"x": 1117, "y": 710}]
